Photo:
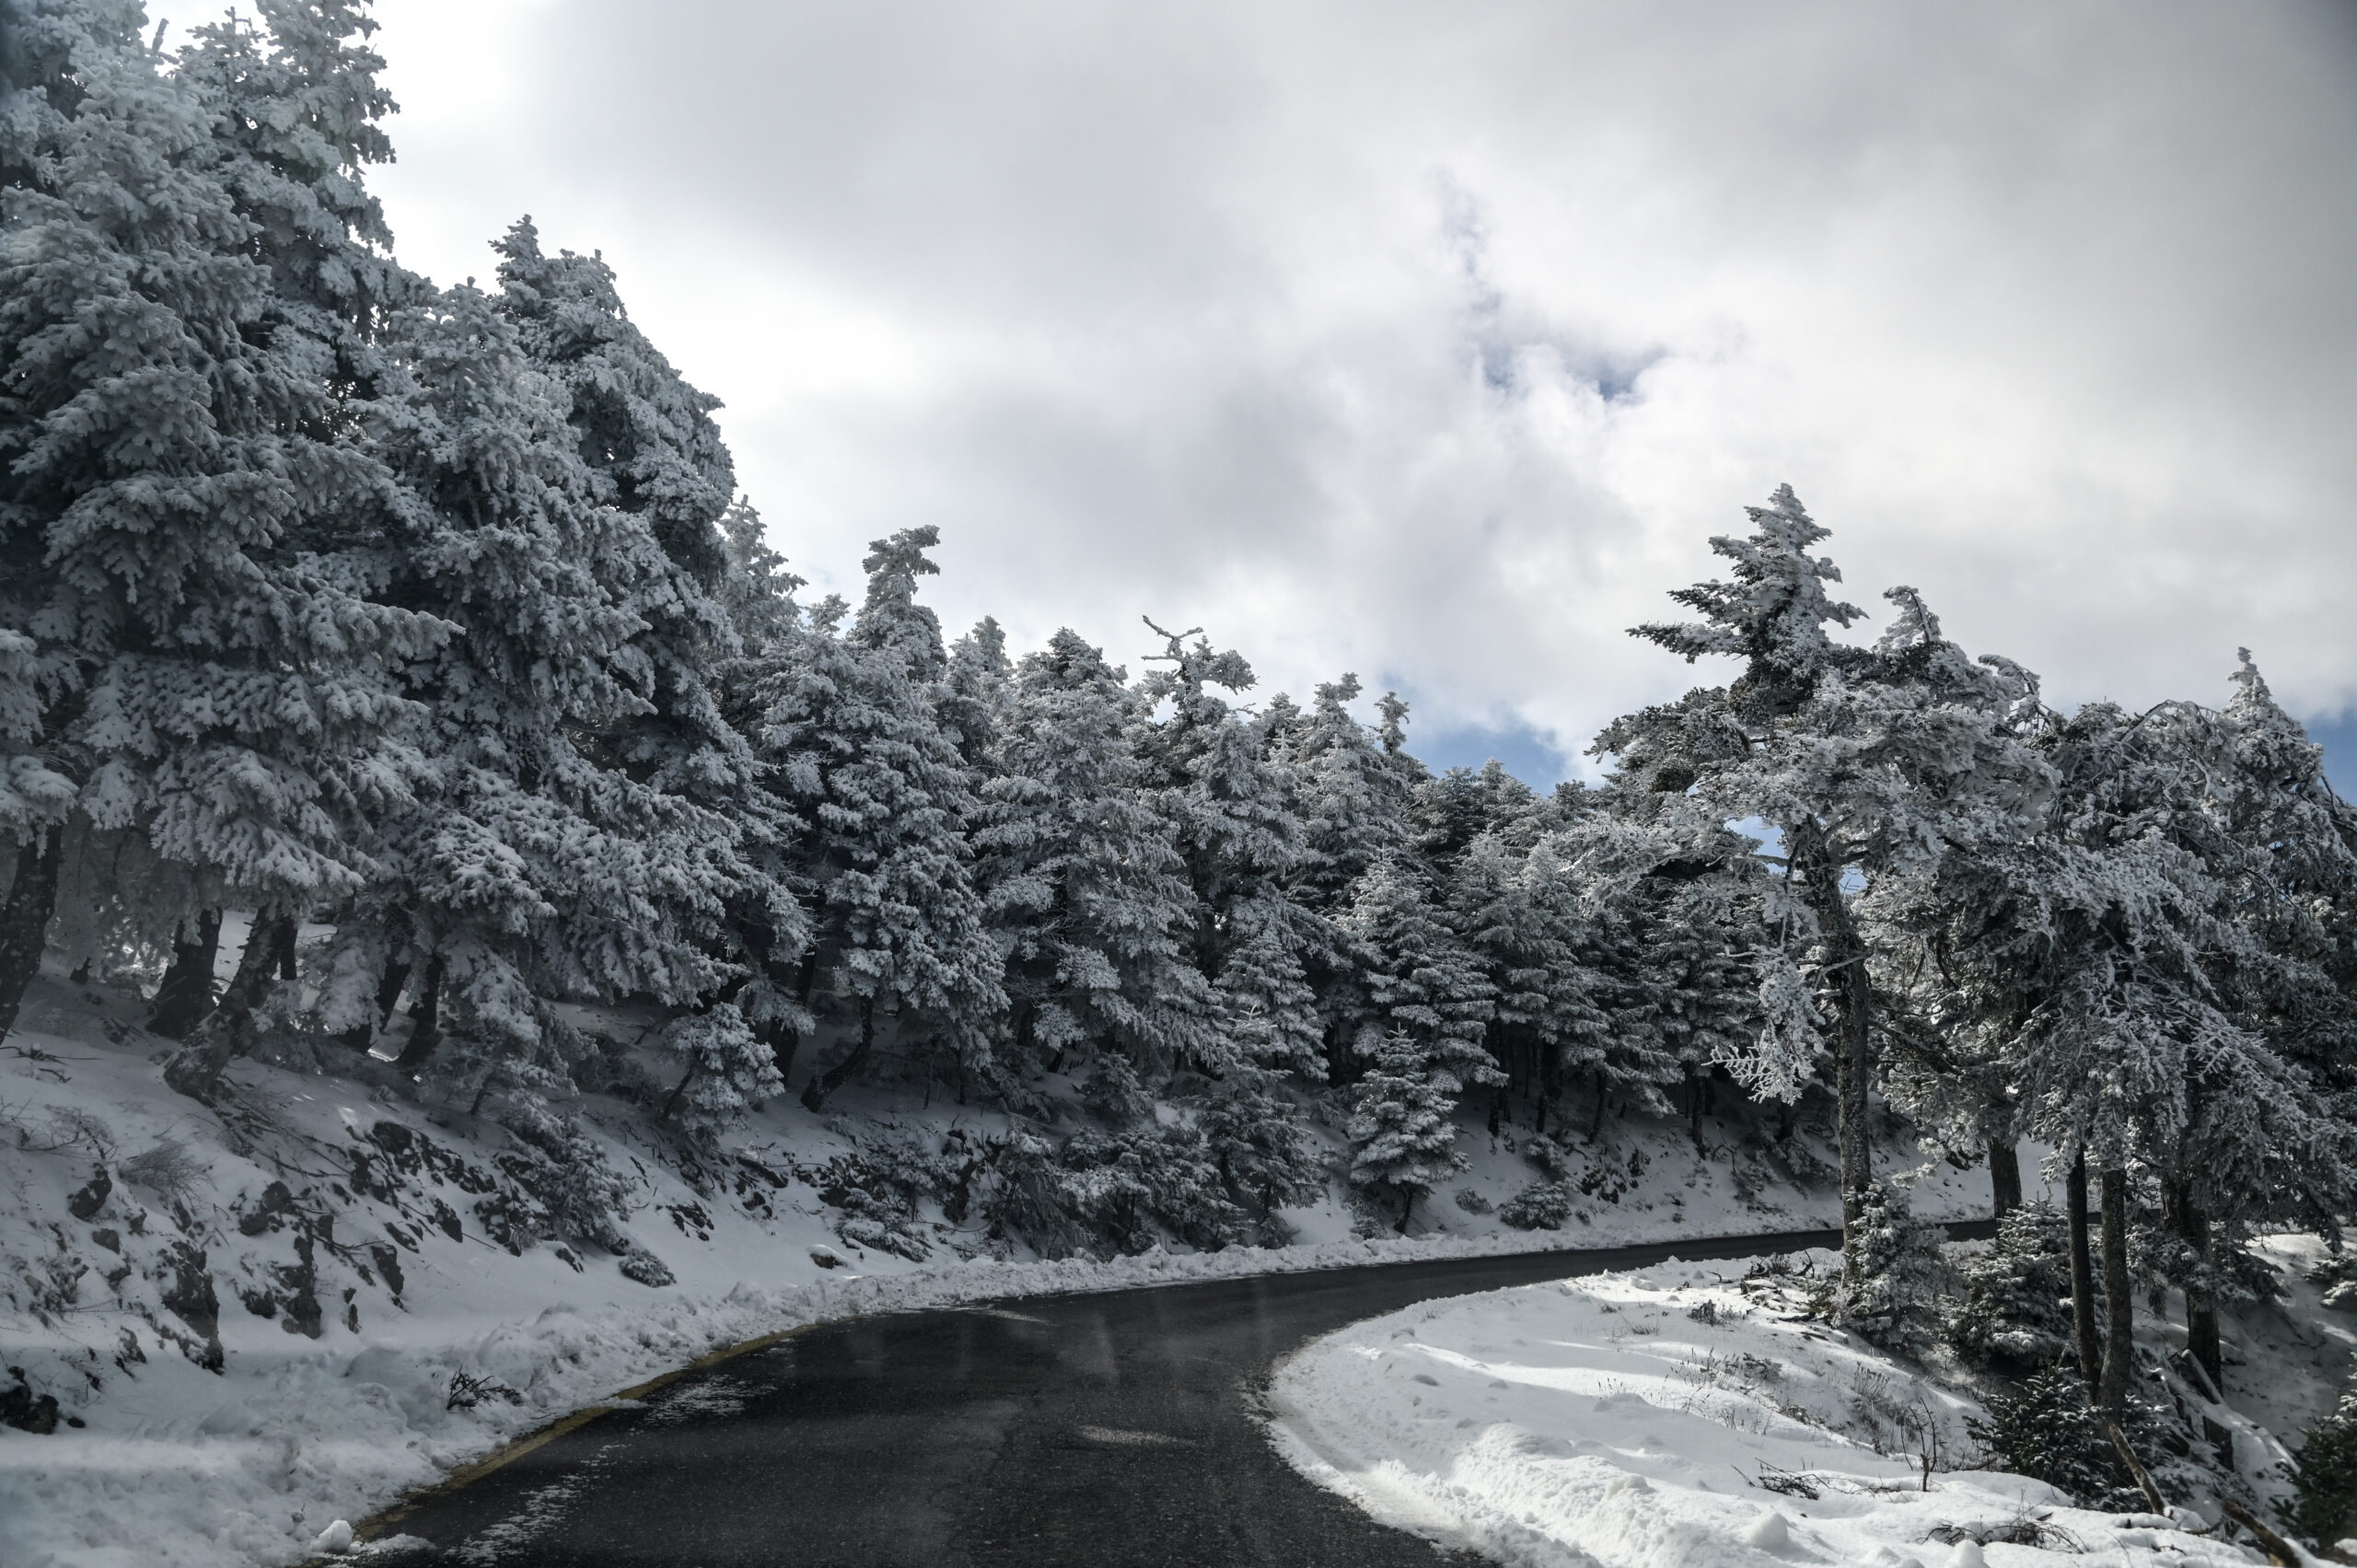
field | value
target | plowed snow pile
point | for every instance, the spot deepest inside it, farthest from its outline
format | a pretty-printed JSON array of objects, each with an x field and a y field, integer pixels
[{"x": 1671, "y": 1418}]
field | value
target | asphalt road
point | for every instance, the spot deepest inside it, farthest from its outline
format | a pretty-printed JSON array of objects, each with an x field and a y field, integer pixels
[{"x": 1107, "y": 1430}]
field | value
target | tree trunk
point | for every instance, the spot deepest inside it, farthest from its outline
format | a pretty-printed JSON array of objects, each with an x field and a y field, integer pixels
[
  {"x": 1820, "y": 878},
  {"x": 2082, "y": 1274},
  {"x": 185, "y": 996},
  {"x": 2118, "y": 1302},
  {"x": 24, "y": 920},
  {"x": 388, "y": 989},
  {"x": 286, "y": 934},
  {"x": 821, "y": 1084},
  {"x": 2005, "y": 1175},
  {"x": 2192, "y": 1226},
  {"x": 427, "y": 1034},
  {"x": 672, "y": 1104},
  {"x": 1407, "y": 1207},
  {"x": 227, "y": 1032}
]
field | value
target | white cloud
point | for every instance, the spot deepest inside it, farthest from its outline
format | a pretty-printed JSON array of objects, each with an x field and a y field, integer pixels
[{"x": 1431, "y": 342}]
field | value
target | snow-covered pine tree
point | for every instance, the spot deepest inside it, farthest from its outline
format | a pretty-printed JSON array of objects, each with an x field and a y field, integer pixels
[
  {"x": 1351, "y": 795},
  {"x": 210, "y": 656},
  {"x": 1085, "y": 886},
  {"x": 1452, "y": 809},
  {"x": 1524, "y": 918},
  {"x": 537, "y": 863},
  {"x": 1228, "y": 802},
  {"x": 1402, "y": 1127},
  {"x": 974, "y": 696},
  {"x": 1868, "y": 763},
  {"x": 651, "y": 450},
  {"x": 756, "y": 592},
  {"x": 1423, "y": 987},
  {"x": 854, "y": 727},
  {"x": 1210, "y": 771}
]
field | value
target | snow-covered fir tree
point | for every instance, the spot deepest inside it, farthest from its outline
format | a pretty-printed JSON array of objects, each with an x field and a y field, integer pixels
[
  {"x": 537, "y": 865},
  {"x": 1085, "y": 887},
  {"x": 1868, "y": 763},
  {"x": 212, "y": 664},
  {"x": 1424, "y": 995},
  {"x": 898, "y": 926}
]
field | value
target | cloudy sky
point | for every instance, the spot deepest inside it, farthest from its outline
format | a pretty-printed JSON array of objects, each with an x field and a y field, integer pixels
[{"x": 1432, "y": 342}]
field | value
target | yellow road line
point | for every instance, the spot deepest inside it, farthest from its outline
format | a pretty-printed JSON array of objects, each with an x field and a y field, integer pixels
[{"x": 381, "y": 1523}]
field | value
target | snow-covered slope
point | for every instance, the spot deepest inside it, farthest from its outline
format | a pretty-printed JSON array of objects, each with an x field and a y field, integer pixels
[
  {"x": 253, "y": 1315},
  {"x": 1678, "y": 1417}
]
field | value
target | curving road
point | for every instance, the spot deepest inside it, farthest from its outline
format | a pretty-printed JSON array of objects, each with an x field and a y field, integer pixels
[{"x": 1103, "y": 1431}]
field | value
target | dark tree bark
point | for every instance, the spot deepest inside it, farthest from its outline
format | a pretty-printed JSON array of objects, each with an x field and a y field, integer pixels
[
  {"x": 1820, "y": 876},
  {"x": 2191, "y": 1222},
  {"x": 2082, "y": 1274},
  {"x": 428, "y": 1013},
  {"x": 185, "y": 996},
  {"x": 286, "y": 952},
  {"x": 227, "y": 1031},
  {"x": 389, "y": 991},
  {"x": 821, "y": 1084},
  {"x": 2005, "y": 1175},
  {"x": 24, "y": 920},
  {"x": 2118, "y": 1302}
]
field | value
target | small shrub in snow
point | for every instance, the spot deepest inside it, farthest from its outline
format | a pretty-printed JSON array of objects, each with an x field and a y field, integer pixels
[
  {"x": 2322, "y": 1508},
  {"x": 169, "y": 1170},
  {"x": 2336, "y": 1272},
  {"x": 1469, "y": 1198},
  {"x": 468, "y": 1389},
  {"x": 1895, "y": 1294},
  {"x": 2047, "y": 1432},
  {"x": 645, "y": 1267},
  {"x": 1542, "y": 1205},
  {"x": 2014, "y": 1313}
]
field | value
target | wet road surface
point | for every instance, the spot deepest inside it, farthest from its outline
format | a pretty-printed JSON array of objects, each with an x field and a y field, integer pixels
[{"x": 1107, "y": 1431}]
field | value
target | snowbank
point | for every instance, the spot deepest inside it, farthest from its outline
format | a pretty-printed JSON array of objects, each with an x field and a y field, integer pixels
[{"x": 1671, "y": 1418}]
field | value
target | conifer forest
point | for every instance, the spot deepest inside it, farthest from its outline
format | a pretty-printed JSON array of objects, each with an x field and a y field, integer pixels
[{"x": 407, "y": 654}]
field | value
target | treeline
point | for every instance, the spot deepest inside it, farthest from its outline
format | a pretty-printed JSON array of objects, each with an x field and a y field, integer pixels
[{"x": 429, "y": 615}]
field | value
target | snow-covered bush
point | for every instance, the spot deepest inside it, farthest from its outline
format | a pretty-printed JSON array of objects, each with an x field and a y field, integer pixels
[
  {"x": 2336, "y": 1272},
  {"x": 1894, "y": 1294},
  {"x": 2322, "y": 1508},
  {"x": 560, "y": 1168},
  {"x": 2047, "y": 1431},
  {"x": 1542, "y": 1205},
  {"x": 2013, "y": 1314}
]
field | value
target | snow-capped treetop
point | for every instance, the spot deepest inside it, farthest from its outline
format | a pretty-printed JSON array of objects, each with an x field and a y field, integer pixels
[
  {"x": 1773, "y": 613},
  {"x": 646, "y": 436}
]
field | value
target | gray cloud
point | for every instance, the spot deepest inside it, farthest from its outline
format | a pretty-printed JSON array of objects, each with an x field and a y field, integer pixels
[{"x": 1431, "y": 342}]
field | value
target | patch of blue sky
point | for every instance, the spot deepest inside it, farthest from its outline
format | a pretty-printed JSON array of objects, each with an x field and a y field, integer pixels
[
  {"x": 1529, "y": 753},
  {"x": 2337, "y": 735}
]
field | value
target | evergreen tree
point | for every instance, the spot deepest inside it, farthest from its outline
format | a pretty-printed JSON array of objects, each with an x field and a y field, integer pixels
[
  {"x": 538, "y": 864},
  {"x": 210, "y": 660},
  {"x": 1085, "y": 886},
  {"x": 1423, "y": 985},
  {"x": 1403, "y": 1128},
  {"x": 1868, "y": 763},
  {"x": 854, "y": 727},
  {"x": 1352, "y": 796}
]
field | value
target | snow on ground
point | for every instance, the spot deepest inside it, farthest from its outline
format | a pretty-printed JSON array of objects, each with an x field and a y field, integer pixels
[
  {"x": 1675, "y": 1417},
  {"x": 257, "y": 1319}
]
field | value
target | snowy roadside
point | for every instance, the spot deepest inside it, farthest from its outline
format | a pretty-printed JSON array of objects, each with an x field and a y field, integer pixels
[
  {"x": 1669, "y": 1416},
  {"x": 255, "y": 1325},
  {"x": 253, "y": 1466}
]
